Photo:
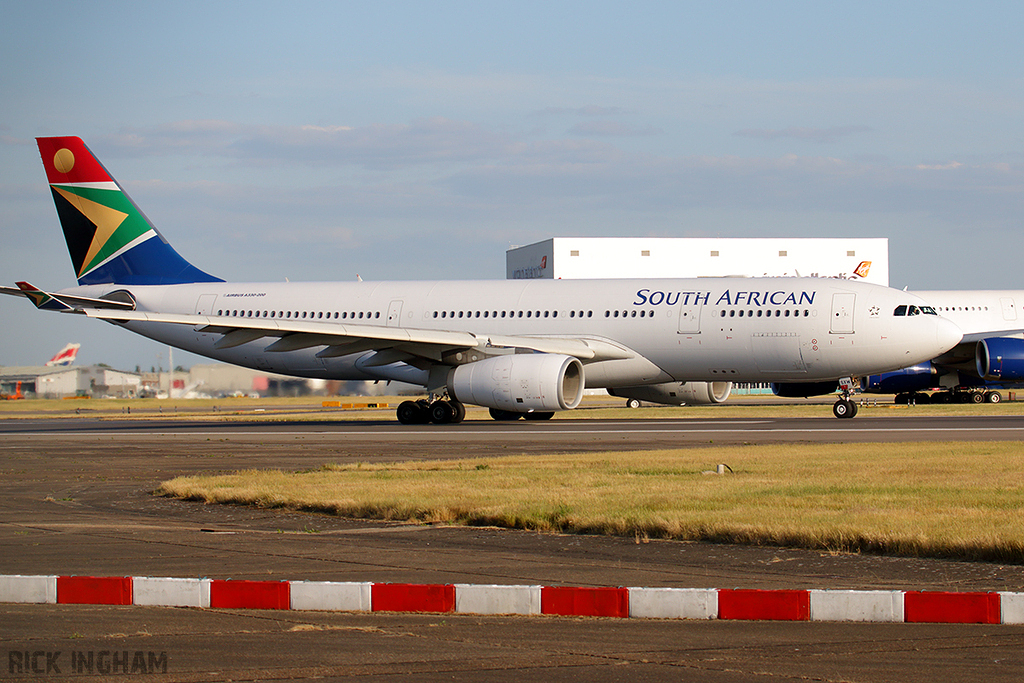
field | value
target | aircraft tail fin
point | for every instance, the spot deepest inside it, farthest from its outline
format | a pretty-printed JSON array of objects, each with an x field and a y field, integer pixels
[
  {"x": 109, "y": 238},
  {"x": 65, "y": 356}
]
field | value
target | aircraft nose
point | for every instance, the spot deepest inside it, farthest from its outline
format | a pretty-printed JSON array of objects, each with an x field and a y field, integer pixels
[{"x": 947, "y": 335}]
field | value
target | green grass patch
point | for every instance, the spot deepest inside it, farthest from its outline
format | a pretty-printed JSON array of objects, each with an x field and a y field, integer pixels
[{"x": 949, "y": 499}]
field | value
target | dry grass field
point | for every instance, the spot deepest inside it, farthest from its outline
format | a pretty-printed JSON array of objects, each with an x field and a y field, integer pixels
[{"x": 949, "y": 499}]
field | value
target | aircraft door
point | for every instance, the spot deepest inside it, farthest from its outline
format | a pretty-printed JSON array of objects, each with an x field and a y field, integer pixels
[
  {"x": 395, "y": 313},
  {"x": 1009, "y": 310},
  {"x": 689, "y": 314},
  {"x": 842, "y": 313},
  {"x": 204, "y": 306}
]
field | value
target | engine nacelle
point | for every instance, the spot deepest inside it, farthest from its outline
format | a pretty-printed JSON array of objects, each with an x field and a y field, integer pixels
[
  {"x": 908, "y": 380},
  {"x": 1000, "y": 358},
  {"x": 520, "y": 383},
  {"x": 804, "y": 389},
  {"x": 677, "y": 393}
]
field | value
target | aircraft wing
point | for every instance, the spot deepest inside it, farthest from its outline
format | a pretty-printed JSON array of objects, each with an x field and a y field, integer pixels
[
  {"x": 963, "y": 354},
  {"x": 342, "y": 339},
  {"x": 975, "y": 337},
  {"x": 392, "y": 344}
]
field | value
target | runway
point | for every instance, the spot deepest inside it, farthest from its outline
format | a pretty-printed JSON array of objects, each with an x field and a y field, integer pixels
[
  {"x": 76, "y": 500},
  {"x": 563, "y": 434}
]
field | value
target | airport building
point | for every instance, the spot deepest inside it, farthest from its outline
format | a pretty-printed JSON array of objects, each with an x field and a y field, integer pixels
[
  {"x": 60, "y": 381},
  {"x": 667, "y": 257}
]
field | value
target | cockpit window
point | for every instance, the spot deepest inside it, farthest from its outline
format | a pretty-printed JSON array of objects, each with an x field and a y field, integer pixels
[
  {"x": 900, "y": 311},
  {"x": 928, "y": 310},
  {"x": 914, "y": 310}
]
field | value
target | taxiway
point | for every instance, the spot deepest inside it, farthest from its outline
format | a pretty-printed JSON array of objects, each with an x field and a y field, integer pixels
[{"x": 76, "y": 499}]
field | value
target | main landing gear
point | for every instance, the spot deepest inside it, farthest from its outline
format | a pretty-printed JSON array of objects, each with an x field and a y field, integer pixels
[
  {"x": 422, "y": 412},
  {"x": 844, "y": 407}
]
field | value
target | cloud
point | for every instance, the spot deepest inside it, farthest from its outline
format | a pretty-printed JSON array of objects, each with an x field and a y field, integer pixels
[
  {"x": 612, "y": 129},
  {"x": 376, "y": 146},
  {"x": 454, "y": 176},
  {"x": 589, "y": 110},
  {"x": 820, "y": 135},
  {"x": 953, "y": 165}
]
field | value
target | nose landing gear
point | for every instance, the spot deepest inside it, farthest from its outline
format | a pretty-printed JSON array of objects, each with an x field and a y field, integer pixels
[{"x": 844, "y": 407}]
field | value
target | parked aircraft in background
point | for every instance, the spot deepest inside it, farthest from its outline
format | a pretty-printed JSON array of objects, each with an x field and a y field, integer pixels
[
  {"x": 65, "y": 356},
  {"x": 187, "y": 391},
  {"x": 989, "y": 357},
  {"x": 523, "y": 348}
]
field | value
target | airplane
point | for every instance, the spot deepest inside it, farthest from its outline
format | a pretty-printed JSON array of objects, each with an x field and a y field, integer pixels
[
  {"x": 187, "y": 391},
  {"x": 65, "y": 356},
  {"x": 989, "y": 357},
  {"x": 522, "y": 348}
]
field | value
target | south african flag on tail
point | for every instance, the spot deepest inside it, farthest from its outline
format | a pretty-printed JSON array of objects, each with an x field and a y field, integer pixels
[{"x": 109, "y": 238}]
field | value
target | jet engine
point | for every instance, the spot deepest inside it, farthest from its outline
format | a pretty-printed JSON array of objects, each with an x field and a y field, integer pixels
[
  {"x": 677, "y": 393},
  {"x": 520, "y": 383},
  {"x": 908, "y": 380},
  {"x": 1000, "y": 358}
]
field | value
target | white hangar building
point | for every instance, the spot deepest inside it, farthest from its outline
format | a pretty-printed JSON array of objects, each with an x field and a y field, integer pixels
[
  {"x": 71, "y": 380},
  {"x": 665, "y": 257}
]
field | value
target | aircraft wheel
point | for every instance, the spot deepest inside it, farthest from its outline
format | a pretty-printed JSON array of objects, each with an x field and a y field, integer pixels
[
  {"x": 632, "y": 403},
  {"x": 977, "y": 397},
  {"x": 534, "y": 416},
  {"x": 504, "y": 415},
  {"x": 408, "y": 413},
  {"x": 993, "y": 397},
  {"x": 844, "y": 409},
  {"x": 901, "y": 399},
  {"x": 460, "y": 412},
  {"x": 442, "y": 412}
]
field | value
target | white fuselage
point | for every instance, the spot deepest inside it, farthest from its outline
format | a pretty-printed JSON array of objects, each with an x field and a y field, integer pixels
[
  {"x": 995, "y": 312},
  {"x": 708, "y": 329}
]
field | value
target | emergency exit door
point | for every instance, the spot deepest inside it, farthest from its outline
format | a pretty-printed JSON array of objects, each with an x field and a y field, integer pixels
[{"x": 842, "y": 313}]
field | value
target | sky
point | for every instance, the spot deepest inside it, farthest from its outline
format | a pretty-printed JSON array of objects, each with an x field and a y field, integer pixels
[{"x": 421, "y": 140}]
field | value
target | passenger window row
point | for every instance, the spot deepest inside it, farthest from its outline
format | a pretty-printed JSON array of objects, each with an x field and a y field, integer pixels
[
  {"x": 761, "y": 313},
  {"x": 644, "y": 313},
  {"x": 308, "y": 315},
  {"x": 508, "y": 314}
]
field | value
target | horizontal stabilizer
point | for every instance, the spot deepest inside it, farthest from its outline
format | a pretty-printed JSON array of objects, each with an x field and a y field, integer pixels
[
  {"x": 55, "y": 301},
  {"x": 42, "y": 300}
]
